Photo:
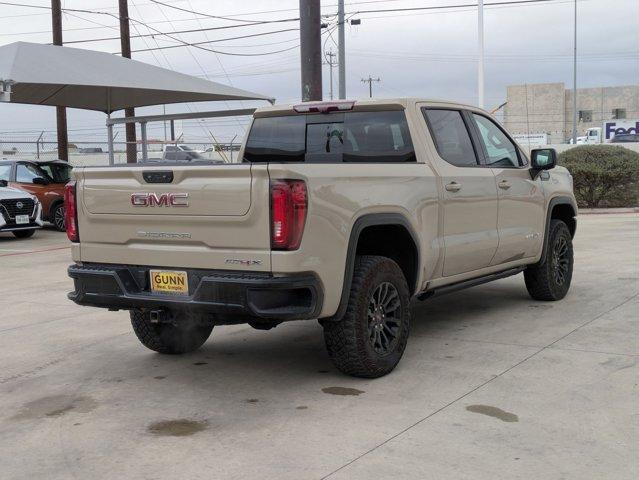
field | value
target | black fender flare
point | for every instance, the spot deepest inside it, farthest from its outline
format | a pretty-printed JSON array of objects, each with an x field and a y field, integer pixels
[
  {"x": 560, "y": 200},
  {"x": 371, "y": 220}
]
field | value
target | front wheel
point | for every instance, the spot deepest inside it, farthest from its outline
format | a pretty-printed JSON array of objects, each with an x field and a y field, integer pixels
[
  {"x": 186, "y": 335},
  {"x": 370, "y": 339},
  {"x": 550, "y": 280}
]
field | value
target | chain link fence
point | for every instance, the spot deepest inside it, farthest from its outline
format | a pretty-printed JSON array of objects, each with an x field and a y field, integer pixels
[{"x": 96, "y": 153}]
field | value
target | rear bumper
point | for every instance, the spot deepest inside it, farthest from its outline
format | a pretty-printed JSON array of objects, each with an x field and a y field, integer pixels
[{"x": 232, "y": 297}]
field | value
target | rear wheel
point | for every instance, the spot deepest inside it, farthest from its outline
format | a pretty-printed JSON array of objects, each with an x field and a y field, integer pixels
[
  {"x": 57, "y": 217},
  {"x": 550, "y": 280},
  {"x": 370, "y": 339},
  {"x": 187, "y": 335},
  {"x": 23, "y": 233}
]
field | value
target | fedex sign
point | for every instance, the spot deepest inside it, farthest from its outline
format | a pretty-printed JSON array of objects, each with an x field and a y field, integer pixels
[{"x": 620, "y": 127}]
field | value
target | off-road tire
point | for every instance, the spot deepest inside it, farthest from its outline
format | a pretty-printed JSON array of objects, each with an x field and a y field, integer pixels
[
  {"x": 348, "y": 339},
  {"x": 23, "y": 233},
  {"x": 187, "y": 336},
  {"x": 57, "y": 217},
  {"x": 541, "y": 279}
]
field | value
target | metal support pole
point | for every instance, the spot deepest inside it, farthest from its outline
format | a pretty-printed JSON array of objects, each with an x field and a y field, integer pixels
[
  {"x": 145, "y": 146},
  {"x": 172, "y": 130},
  {"x": 38, "y": 144},
  {"x": 110, "y": 143},
  {"x": 311, "y": 49},
  {"x": 164, "y": 113},
  {"x": 574, "y": 89},
  {"x": 125, "y": 41},
  {"x": 341, "y": 39},
  {"x": 61, "y": 112},
  {"x": 480, "y": 69},
  {"x": 232, "y": 140}
]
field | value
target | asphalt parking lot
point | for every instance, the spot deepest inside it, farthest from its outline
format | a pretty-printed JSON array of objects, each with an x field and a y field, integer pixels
[{"x": 493, "y": 385}]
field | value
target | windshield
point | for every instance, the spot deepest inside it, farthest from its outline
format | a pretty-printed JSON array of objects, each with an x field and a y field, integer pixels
[{"x": 335, "y": 137}]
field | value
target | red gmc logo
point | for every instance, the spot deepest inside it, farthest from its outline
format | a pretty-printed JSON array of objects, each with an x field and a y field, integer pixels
[{"x": 163, "y": 200}]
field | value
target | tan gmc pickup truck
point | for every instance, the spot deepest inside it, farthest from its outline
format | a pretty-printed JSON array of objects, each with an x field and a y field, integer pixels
[{"x": 339, "y": 211}]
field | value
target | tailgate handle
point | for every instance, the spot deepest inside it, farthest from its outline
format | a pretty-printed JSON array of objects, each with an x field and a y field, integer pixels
[{"x": 158, "y": 177}]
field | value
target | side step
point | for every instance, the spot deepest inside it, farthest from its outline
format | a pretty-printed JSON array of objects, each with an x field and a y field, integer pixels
[{"x": 473, "y": 282}]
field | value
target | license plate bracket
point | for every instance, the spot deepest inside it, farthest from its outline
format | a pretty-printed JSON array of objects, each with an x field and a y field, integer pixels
[{"x": 22, "y": 219}]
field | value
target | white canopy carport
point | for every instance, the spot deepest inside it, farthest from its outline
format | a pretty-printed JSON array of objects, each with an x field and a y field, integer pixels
[{"x": 41, "y": 74}]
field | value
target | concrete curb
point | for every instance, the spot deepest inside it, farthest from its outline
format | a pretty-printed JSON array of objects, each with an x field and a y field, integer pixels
[{"x": 607, "y": 211}]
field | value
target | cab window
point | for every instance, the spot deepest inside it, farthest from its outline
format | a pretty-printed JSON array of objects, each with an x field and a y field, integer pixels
[
  {"x": 451, "y": 137},
  {"x": 366, "y": 137},
  {"x": 500, "y": 151}
]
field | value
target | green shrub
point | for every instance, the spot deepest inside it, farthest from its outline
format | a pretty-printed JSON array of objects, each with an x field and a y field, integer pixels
[{"x": 604, "y": 175}]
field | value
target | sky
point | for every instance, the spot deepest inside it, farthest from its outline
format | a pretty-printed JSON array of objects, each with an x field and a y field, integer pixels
[{"x": 427, "y": 53}]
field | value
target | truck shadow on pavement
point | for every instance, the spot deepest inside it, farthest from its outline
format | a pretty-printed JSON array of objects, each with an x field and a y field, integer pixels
[{"x": 295, "y": 351}]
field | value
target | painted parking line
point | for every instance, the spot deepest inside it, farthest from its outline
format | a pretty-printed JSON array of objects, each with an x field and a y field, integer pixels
[{"x": 28, "y": 252}]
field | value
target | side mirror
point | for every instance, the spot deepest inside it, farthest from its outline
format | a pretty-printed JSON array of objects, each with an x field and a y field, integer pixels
[
  {"x": 542, "y": 159},
  {"x": 40, "y": 181},
  {"x": 4, "y": 183}
]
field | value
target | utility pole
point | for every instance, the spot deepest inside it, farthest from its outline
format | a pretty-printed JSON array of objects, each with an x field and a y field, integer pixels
[
  {"x": 330, "y": 64},
  {"x": 480, "y": 69},
  {"x": 341, "y": 40},
  {"x": 311, "y": 49},
  {"x": 61, "y": 112},
  {"x": 574, "y": 89},
  {"x": 125, "y": 41},
  {"x": 370, "y": 81}
]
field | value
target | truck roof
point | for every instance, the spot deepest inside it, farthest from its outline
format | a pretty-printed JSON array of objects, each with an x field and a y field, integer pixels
[{"x": 365, "y": 104}]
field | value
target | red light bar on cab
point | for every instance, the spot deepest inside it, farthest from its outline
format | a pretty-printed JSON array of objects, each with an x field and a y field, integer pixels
[{"x": 324, "y": 107}]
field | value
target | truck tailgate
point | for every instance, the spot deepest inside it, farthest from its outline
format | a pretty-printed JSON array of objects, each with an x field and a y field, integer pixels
[{"x": 205, "y": 217}]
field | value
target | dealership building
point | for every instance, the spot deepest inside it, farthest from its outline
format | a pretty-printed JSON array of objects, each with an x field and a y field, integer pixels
[{"x": 547, "y": 108}]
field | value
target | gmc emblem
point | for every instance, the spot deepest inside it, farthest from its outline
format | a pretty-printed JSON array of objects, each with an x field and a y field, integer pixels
[{"x": 163, "y": 200}]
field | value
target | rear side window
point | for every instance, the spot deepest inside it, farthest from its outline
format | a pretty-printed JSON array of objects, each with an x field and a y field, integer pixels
[
  {"x": 451, "y": 137},
  {"x": 340, "y": 137}
]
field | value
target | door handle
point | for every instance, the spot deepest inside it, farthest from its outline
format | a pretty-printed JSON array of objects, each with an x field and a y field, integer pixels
[
  {"x": 504, "y": 184},
  {"x": 453, "y": 187}
]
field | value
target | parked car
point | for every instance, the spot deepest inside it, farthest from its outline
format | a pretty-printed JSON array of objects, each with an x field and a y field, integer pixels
[
  {"x": 20, "y": 212},
  {"x": 45, "y": 180},
  {"x": 181, "y": 153},
  {"x": 338, "y": 211}
]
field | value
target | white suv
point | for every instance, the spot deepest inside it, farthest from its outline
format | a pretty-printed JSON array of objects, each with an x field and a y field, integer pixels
[{"x": 20, "y": 212}]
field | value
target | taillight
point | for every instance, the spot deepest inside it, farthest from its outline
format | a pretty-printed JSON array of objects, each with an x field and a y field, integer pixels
[
  {"x": 71, "y": 212},
  {"x": 289, "y": 204}
]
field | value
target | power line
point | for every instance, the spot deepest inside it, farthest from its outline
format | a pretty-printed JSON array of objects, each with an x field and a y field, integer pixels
[
  {"x": 204, "y": 14},
  {"x": 226, "y": 39}
]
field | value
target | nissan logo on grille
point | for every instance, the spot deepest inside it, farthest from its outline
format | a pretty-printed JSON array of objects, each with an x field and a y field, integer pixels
[
  {"x": 162, "y": 200},
  {"x": 19, "y": 205}
]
